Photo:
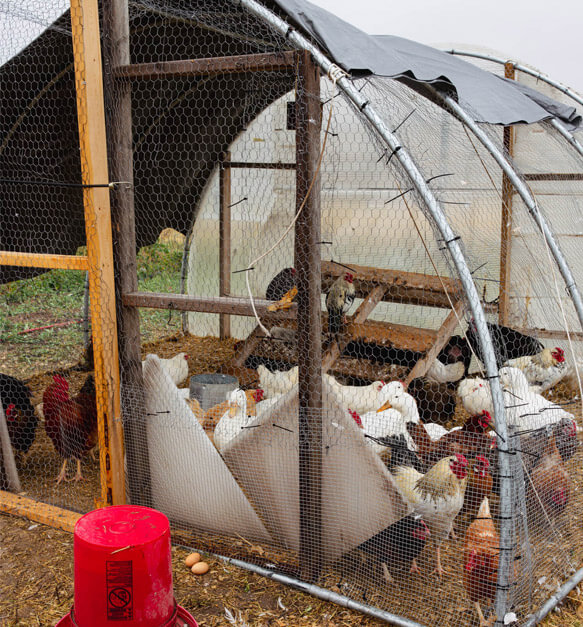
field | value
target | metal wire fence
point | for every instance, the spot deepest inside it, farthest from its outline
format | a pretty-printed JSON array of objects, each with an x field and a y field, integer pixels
[{"x": 278, "y": 323}]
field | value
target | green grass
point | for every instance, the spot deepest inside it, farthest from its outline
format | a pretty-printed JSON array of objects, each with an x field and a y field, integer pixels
[{"x": 57, "y": 296}]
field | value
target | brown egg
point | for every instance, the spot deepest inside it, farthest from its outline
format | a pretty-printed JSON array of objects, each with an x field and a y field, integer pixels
[
  {"x": 200, "y": 569},
  {"x": 192, "y": 559}
]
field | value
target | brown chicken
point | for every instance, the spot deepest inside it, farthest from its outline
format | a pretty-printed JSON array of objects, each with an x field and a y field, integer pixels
[
  {"x": 471, "y": 440},
  {"x": 213, "y": 415},
  {"x": 481, "y": 552},
  {"x": 549, "y": 484},
  {"x": 71, "y": 423}
]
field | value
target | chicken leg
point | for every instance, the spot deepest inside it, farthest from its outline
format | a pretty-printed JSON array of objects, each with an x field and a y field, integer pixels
[
  {"x": 63, "y": 473},
  {"x": 438, "y": 567},
  {"x": 483, "y": 621},
  {"x": 78, "y": 476}
]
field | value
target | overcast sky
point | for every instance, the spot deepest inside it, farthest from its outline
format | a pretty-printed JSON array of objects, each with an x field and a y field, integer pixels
[{"x": 548, "y": 37}]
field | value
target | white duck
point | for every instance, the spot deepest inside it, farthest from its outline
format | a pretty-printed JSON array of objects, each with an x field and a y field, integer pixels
[
  {"x": 233, "y": 420},
  {"x": 528, "y": 410},
  {"x": 386, "y": 421}
]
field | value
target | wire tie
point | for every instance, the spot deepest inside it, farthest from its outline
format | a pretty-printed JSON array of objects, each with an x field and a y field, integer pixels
[
  {"x": 507, "y": 453},
  {"x": 399, "y": 196},
  {"x": 481, "y": 266},
  {"x": 382, "y": 156},
  {"x": 453, "y": 239},
  {"x": 244, "y": 270},
  {"x": 341, "y": 264},
  {"x": 494, "y": 376},
  {"x": 283, "y": 428},
  {"x": 393, "y": 154},
  {"x": 404, "y": 120},
  {"x": 438, "y": 176},
  {"x": 238, "y": 202},
  {"x": 364, "y": 105},
  {"x": 250, "y": 426},
  {"x": 324, "y": 242}
]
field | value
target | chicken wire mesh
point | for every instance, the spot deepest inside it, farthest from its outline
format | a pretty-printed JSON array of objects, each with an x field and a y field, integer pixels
[{"x": 355, "y": 481}]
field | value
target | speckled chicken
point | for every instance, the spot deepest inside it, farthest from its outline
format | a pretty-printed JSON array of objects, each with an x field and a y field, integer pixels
[{"x": 338, "y": 301}]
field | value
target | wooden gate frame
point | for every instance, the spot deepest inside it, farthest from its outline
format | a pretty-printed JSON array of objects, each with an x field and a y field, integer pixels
[{"x": 99, "y": 264}]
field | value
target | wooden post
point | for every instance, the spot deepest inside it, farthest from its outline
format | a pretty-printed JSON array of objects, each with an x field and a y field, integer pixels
[
  {"x": 118, "y": 97},
  {"x": 506, "y": 222},
  {"x": 225, "y": 241},
  {"x": 309, "y": 283},
  {"x": 91, "y": 119}
]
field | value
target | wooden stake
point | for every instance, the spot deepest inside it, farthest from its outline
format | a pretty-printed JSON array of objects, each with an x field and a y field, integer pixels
[
  {"x": 91, "y": 119},
  {"x": 309, "y": 283}
]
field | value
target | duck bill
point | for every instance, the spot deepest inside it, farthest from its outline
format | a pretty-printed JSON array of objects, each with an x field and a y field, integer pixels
[
  {"x": 232, "y": 410},
  {"x": 387, "y": 405}
]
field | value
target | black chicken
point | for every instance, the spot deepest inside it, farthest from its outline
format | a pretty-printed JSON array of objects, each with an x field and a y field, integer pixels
[
  {"x": 508, "y": 343},
  {"x": 398, "y": 545},
  {"x": 21, "y": 417},
  {"x": 281, "y": 284}
]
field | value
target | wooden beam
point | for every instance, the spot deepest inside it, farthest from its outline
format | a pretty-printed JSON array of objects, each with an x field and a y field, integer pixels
[
  {"x": 265, "y": 62},
  {"x": 558, "y": 176},
  {"x": 34, "y": 260},
  {"x": 309, "y": 283},
  {"x": 406, "y": 288},
  {"x": 549, "y": 334},
  {"x": 260, "y": 165},
  {"x": 120, "y": 149},
  {"x": 506, "y": 220},
  {"x": 212, "y": 304},
  {"x": 93, "y": 152},
  {"x": 225, "y": 241},
  {"x": 360, "y": 315},
  {"x": 25, "y": 507},
  {"x": 443, "y": 334}
]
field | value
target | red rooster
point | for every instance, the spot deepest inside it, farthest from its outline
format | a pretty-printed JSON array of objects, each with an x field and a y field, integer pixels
[
  {"x": 481, "y": 552},
  {"x": 71, "y": 423}
]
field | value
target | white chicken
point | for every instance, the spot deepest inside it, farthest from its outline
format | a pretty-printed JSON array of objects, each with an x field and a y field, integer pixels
[
  {"x": 176, "y": 367},
  {"x": 359, "y": 398},
  {"x": 278, "y": 382},
  {"x": 528, "y": 410},
  {"x": 437, "y": 496},
  {"x": 475, "y": 396},
  {"x": 233, "y": 420},
  {"x": 543, "y": 370},
  {"x": 445, "y": 373},
  {"x": 387, "y": 420}
]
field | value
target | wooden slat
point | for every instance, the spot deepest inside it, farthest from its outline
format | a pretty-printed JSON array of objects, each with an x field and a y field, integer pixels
[
  {"x": 116, "y": 39},
  {"x": 506, "y": 219},
  {"x": 309, "y": 336},
  {"x": 225, "y": 241},
  {"x": 360, "y": 315},
  {"x": 247, "y": 347},
  {"x": 443, "y": 334},
  {"x": 558, "y": 334},
  {"x": 402, "y": 287},
  {"x": 262, "y": 165},
  {"x": 25, "y": 507},
  {"x": 211, "y": 304},
  {"x": 391, "y": 334},
  {"x": 554, "y": 176},
  {"x": 35, "y": 260},
  {"x": 93, "y": 152},
  {"x": 268, "y": 62}
]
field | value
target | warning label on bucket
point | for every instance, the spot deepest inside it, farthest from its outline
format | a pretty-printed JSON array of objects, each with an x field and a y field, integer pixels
[{"x": 120, "y": 595}]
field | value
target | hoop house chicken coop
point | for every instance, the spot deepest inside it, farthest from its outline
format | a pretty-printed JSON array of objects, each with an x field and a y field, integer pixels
[{"x": 381, "y": 246}]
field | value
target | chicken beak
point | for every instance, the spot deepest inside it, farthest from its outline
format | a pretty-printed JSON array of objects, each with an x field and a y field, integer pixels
[{"x": 387, "y": 405}]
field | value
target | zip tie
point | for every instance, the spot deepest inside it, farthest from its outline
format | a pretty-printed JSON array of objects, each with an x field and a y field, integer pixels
[
  {"x": 453, "y": 239},
  {"x": 393, "y": 154},
  {"x": 111, "y": 185},
  {"x": 280, "y": 427},
  {"x": 244, "y": 270},
  {"x": 403, "y": 122},
  {"x": 363, "y": 106},
  {"x": 238, "y": 202},
  {"x": 324, "y": 242},
  {"x": 335, "y": 73},
  {"x": 399, "y": 196},
  {"x": 344, "y": 266}
]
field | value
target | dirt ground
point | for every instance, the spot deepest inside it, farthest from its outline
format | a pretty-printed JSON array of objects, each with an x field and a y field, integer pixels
[{"x": 36, "y": 562}]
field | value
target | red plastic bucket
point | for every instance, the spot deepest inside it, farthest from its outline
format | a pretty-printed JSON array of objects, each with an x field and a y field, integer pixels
[{"x": 123, "y": 570}]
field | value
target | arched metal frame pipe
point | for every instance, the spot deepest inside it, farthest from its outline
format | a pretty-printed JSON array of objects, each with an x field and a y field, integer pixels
[
  {"x": 527, "y": 197},
  {"x": 451, "y": 241},
  {"x": 521, "y": 68},
  {"x": 567, "y": 135}
]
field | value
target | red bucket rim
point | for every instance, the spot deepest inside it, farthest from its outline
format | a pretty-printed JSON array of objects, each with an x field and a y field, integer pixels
[{"x": 179, "y": 614}]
